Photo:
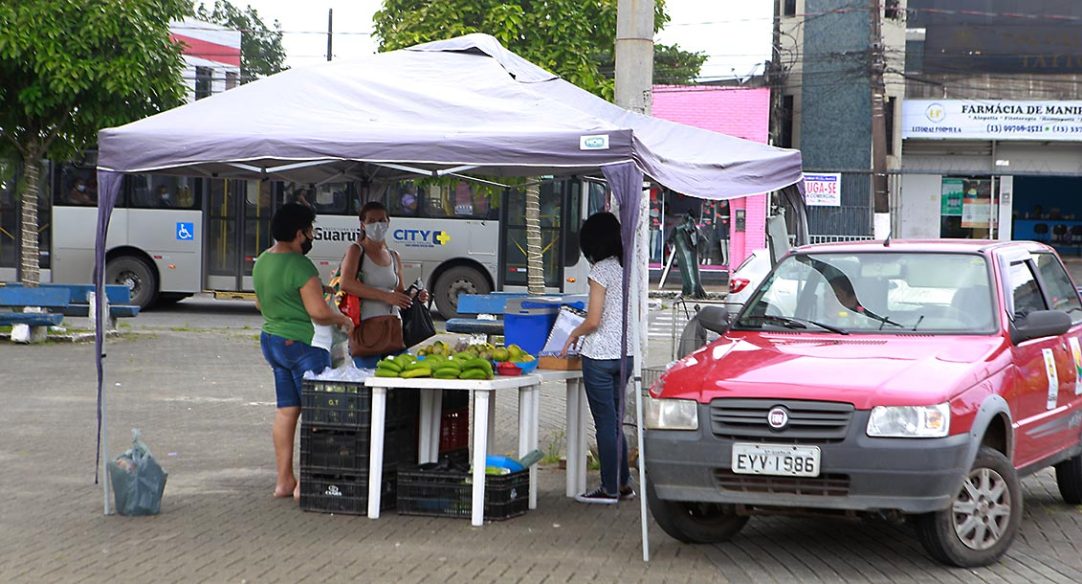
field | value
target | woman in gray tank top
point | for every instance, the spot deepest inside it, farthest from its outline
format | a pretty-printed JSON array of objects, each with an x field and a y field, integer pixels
[{"x": 373, "y": 272}]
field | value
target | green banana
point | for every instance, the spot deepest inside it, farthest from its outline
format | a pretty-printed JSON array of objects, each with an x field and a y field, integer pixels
[
  {"x": 452, "y": 371},
  {"x": 418, "y": 365},
  {"x": 389, "y": 365},
  {"x": 418, "y": 372},
  {"x": 478, "y": 364},
  {"x": 385, "y": 373},
  {"x": 473, "y": 374}
]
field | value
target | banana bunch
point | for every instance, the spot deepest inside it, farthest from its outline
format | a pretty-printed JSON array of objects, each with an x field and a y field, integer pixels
[{"x": 463, "y": 365}]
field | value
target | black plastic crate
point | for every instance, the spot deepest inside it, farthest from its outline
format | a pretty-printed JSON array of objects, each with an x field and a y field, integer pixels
[
  {"x": 337, "y": 450},
  {"x": 443, "y": 493},
  {"x": 344, "y": 493},
  {"x": 454, "y": 399},
  {"x": 349, "y": 404}
]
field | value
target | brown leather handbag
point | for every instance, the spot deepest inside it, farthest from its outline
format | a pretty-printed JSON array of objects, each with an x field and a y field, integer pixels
[{"x": 379, "y": 335}]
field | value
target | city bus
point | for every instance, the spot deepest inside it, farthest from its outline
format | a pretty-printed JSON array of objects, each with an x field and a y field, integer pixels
[{"x": 172, "y": 237}]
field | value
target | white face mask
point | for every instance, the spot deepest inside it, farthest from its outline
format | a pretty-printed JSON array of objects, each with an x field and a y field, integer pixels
[{"x": 376, "y": 231}]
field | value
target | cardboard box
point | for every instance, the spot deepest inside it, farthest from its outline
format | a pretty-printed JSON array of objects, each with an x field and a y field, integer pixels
[{"x": 559, "y": 363}]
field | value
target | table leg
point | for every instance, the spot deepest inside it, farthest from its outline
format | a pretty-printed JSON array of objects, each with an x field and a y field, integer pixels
[
  {"x": 571, "y": 426},
  {"x": 480, "y": 448},
  {"x": 424, "y": 434},
  {"x": 437, "y": 424},
  {"x": 375, "y": 457},
  {"x": 535, "y": 422},
  {"x": 492, "y": 422},
  {"x": 581, "y": 424},
  {"x": 527, "y": 435}
]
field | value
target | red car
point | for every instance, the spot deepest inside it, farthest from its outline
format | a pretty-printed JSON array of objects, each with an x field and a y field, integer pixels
[{"x": 899, "y": 379}]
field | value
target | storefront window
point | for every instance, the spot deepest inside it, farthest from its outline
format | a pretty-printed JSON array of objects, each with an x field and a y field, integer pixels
[
  {"x": 966, "y": 208},
  {"x": 669, "y": 209}
]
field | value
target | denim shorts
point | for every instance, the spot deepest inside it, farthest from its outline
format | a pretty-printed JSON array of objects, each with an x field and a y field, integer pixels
[{"x": 290, "y": 360}]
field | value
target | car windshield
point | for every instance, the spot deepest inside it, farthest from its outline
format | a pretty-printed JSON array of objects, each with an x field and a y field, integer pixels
[{"x": 883, "y": 292}]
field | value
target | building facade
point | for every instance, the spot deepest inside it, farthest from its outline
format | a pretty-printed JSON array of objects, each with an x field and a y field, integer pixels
[{"x": 730, "y": 230}]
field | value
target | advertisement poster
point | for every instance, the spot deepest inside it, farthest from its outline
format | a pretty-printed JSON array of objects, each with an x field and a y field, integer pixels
[
  {"x": 951, "y": 205},
  {"x": 977, "y": 204},
  {"x": 823, "y": 190},
  {"x": 1076, "y": 354},
  {"x": 956, "y": 119}
]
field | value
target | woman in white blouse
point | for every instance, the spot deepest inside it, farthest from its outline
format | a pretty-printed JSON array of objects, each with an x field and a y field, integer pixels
[{"x": 601, "y": 355}]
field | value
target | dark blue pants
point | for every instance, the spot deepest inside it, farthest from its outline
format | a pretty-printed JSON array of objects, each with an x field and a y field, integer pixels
[{"x": 605, "y": 390}]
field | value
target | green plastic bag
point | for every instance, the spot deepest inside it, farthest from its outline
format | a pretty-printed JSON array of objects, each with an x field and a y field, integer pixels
[{"x": 138, "y": 481}]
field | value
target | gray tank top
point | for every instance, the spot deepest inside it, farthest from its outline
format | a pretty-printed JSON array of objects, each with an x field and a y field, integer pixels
[{"x": 381, "y": 277}]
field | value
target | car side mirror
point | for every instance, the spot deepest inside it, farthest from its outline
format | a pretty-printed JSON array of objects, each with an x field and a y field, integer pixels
[
  {"x": 1039, "y": 324},
  {"x": 714, "y": 319}
]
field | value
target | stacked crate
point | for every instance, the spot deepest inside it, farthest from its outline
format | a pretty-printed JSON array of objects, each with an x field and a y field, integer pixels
[{"x": 336, "y": 424}]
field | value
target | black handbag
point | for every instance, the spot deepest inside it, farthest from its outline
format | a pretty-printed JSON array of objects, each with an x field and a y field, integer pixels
[{"x": 416, "y": 323}]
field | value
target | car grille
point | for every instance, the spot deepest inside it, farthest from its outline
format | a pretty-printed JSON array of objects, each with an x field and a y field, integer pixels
[
  {"x": 809, "y": 421},
  {"x": 828, "y": 485}
]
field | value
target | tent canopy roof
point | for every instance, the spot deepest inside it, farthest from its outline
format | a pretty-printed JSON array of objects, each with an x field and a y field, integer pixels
[{"x": 465, "y": 104}]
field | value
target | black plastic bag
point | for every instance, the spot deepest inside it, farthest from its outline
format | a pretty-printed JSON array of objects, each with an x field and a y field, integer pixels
[
  {"x": 138, "y": 480},
  {"x": 417, "y": 324}
]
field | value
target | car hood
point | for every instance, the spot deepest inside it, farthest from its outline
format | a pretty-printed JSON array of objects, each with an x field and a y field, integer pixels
[{"x": 864, "y": 370}]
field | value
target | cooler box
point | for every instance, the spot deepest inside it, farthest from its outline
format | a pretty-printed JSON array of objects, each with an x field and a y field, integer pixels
[{"x": 527, "y": 321}]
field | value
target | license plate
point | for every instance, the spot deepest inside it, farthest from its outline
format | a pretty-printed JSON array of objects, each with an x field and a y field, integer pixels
[{"x": 776, "y": 459}]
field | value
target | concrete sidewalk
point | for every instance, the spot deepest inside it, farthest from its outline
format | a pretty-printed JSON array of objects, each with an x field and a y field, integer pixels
[{"x": 204, "y": 400}]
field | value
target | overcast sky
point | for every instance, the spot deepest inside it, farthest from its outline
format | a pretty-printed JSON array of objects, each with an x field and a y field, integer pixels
[{"x": 734, "y": 33}]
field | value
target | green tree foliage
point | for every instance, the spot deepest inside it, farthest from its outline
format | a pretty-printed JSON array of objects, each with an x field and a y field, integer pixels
[
  {"x": 575, "y": 39},
  {"x": 261, "y": 51},
  {"x": 71, "y": 67}
]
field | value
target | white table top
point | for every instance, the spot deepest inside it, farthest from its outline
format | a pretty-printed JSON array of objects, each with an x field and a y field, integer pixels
[
  {"x": 557, "y": 374},
  {"x": 499, "y": 382}
]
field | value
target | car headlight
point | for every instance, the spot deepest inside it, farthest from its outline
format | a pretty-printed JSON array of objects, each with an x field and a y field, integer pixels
[
  {"x": 671, "y": 414},
  {"x": 910, "y": 421}
]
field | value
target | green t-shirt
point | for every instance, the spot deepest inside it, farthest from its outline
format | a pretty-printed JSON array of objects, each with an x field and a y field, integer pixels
[{"x": 278, "y": 279}]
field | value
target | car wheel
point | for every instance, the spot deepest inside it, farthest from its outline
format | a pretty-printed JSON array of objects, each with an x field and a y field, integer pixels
[
  {"x": 137, "y": 275},
  {"x": 455, "y": 281},
  {"x": 1069, "y": 479},
  {"x": 692, "y": 522},
  {"x": 983, "y": 517}
]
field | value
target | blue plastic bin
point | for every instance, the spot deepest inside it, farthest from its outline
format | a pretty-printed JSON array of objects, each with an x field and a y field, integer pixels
[{"x": 528, "y": 321}]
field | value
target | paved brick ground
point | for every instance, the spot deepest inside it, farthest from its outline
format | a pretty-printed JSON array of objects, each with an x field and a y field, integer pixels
[{"x": 204, "y": 401}]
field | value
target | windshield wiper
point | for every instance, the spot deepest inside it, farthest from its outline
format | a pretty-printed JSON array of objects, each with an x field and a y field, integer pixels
[{"x": 793, "y": 322}]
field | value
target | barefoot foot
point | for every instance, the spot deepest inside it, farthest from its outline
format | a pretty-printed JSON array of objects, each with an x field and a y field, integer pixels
[{"x": 282, "y": 491}]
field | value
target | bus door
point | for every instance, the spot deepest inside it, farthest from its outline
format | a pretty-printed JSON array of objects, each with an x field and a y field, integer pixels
[
  {"x": 560, "y": 210},
  {"x": 238, "y": 230}
]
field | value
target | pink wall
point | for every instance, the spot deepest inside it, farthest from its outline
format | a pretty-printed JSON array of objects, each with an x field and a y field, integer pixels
[{"x": 740, "y": 112}]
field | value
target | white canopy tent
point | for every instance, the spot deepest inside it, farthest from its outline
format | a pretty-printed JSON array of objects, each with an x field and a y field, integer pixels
[{"x": 463, "y": 105}]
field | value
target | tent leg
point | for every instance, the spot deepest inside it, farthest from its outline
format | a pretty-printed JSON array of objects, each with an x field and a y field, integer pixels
[
  {"x": 105, "y": 480},
  {"x": 639, "y": 288}
]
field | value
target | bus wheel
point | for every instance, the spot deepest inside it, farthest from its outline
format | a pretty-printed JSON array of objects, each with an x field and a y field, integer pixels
[
  {"x": 455, "y": 281},
  {"x": 134, "y": 273}
]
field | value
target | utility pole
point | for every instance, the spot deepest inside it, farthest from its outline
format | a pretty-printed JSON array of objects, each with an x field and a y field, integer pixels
[
  {"x": 330, "y": 30},
  {"x": 880, "y": 197},
  {"x": 634, "y": 54}
]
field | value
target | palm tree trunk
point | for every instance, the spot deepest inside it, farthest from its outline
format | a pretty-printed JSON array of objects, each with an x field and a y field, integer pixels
[
  {"x": 29, "y": 256},
  {"x": 535, "y": 277}
]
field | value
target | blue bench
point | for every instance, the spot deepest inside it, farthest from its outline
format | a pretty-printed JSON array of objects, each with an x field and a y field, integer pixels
[
  {"x": 119, "y": 297},
  {"x": 17, "y": 297}
]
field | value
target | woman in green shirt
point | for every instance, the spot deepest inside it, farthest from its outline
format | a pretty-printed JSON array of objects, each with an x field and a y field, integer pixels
[{"x": 296, "y": 335}]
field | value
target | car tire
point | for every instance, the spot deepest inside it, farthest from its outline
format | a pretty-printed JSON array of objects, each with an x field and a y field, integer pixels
[
  {"x": 692, "y": 522},
  {"x": 1069, "y": 479},
  {"x": 137, "y": 275},
  {"x": 455, "y": 281},
  {"x": 960, "y": 535}
]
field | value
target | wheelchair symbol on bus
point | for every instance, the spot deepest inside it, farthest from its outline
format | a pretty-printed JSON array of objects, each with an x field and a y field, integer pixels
[{"x": 185, "y": 231}]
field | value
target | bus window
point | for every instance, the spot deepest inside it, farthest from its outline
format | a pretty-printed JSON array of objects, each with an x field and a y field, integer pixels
[
  {"x": 573, "y": 212},
  {"x": 148, "y": 191},
  {"x": 325, "y": 199},
  {"x": 8, "y": 214},
  {"x": 461, "y": 200},
  {"x": 403, "y": 199},
  {"x": 77, "y": 185}
]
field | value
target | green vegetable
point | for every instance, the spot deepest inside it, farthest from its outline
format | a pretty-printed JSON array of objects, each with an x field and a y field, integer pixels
[{"x": 418, "y": 372}]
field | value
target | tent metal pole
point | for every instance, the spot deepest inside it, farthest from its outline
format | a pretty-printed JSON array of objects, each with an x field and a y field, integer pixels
[
  {"x": 639, "y": 287},
  {"x": 105, "y": 480}
]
